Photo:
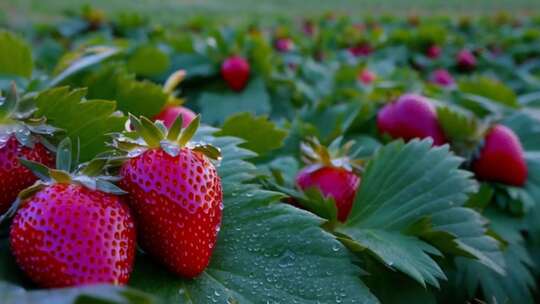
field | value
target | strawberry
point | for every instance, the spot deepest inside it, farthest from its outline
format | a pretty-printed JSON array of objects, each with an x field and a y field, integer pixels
[
  {"x": 284, "y": 45},
  {"x": 442, "y": 78},
  {"x": 72, "y": 229},
  {"x": 433, "y": 51},
  {"x": 465, "y": 60},
  {"x": 363, "y": 49},
  {"x": 366, "y": 76},
  {"x": 235, "y": 71},
  {"x": 332, "y": 173},
  {"x": 411, "y": 116},
  {"x": 20, "y": 136},
  {"x": 176, "y": 195},
  {"x": 501, "y": 158},
  {"x": 170, "y": 113}
]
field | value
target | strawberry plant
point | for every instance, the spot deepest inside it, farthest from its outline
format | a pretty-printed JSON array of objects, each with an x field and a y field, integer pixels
[{"x": 326, "y": 160}]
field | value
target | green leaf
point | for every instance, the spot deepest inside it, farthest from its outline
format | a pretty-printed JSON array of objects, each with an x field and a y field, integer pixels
[
  {"x": 527, "y": 128},
  {"x": 403, "y": 185},
  {"x": 40, "y": 170},
  {"x": 15, "y": 55},
  {"x": 260, "y": 134},
  {"x": 187, "y": 134},
  {"x": 266, "y": 251},
  {"x": 86, "y": 120},
  {"x": 73, "y": 63},
  {"x": 132, "y": 96},
  {"x": 457, "y": 124},
  {"x": 490, "y": 88},
  {"x": 218, "y": 106},
  {"x": 148, "y": 60}
]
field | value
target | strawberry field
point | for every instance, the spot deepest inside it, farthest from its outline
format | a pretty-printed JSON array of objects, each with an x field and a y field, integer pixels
[{"x": 328, "y": 159}]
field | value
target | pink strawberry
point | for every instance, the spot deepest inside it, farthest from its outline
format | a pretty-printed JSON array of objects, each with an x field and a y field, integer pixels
[
  {"x": 284, "y": 45},
  {"x": 338, "y": 183},
  {"x": 366, "y": 76},
  {"x": 332, "y": 172},
  {"x": 442, "y": 78},
  {"x": 66, "y": 234},
  {"x": 501, "y": 158},
  {"x": 176, "y": 195},
  {"x": 170, "y": 113},
  {"x": 235, "y": 71},
  {"x": 433, "y": 51},
  {"x": 466, "y": 60},
  {"x": 411, "y": 116}
]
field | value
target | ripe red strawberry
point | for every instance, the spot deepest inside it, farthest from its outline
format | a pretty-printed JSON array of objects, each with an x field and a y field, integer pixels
[
  {"x": 366, "y": 76},
  {"x": 13, "y": 176},
  {"x": 170, "y": 113},
  {"x": 433, "y": 51},
  {"x": 235, "y": 71},
  {"x": 501, "y": 158},
  {"x": 66, "y": 234},
  {"x": 175, "y": 193},
  {"x": 333, "y": 173},
  {"x": 466, "y": 60},
  {"x": 411, "y": 116}
]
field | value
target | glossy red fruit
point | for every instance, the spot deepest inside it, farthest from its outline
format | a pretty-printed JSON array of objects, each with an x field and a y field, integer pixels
[
  {"x": 334, "y": 182},
  {"x": 433, "y": 51},
  {"x": 177, "y": 201},
  {"x": 501, "y": 158},
  {"x": 466, "y": 60},
  {"x": 442, "y": 78},
  {"x": 235, "y": 71},
  {"x": 362, "y": 49},
  {"x": 411, "y": 116},
  {"x": 170, "y": 113},
  {"x": 14, "y": 177},
  {"x": 284, "y": 45},
  {"x": 366, "y": 76},
  {"x": 69, "y": 235}
]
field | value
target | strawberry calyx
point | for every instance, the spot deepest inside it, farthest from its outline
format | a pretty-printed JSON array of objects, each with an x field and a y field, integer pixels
[
  {"x": 153, "y": 135},
  {"x": 317, "y": 156},
  {"x": 92, "y": 175},
  {"x": 17, "y": 119}
]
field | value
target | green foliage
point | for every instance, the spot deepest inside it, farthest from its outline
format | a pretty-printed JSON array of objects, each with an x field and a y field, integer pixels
[
  {"x": 404, "y": 185},
  {"x": 148, "y": 60},
  {"x": 492, "y": 89},
  {"x": 131, "y": 95},
  {"x": 84, "y": 121},
  {"x": 15, "y": 56},
  {"x": 219, "y": 105},
  {"x": 260, "y": 134}
]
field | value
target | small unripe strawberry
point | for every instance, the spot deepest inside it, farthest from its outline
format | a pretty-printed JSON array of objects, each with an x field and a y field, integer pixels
[
  {"x": 170, "y": 113},
  {"x": 366, "y": 76},
  {"x": 411, "y": 116},
  {"x": 442, "y": 78},
  {"x": 235, "y": 71},
  {"x": 466, "y": 60},
  {"x": 501, "y": 158}
]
